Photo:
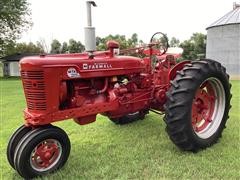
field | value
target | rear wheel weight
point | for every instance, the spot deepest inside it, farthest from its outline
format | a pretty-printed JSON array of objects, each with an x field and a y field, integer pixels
[
  {"x": 197, "y": 108},
  {"x": 43, "y": 151}
]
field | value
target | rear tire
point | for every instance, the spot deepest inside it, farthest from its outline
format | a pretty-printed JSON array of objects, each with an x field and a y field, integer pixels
[
  {"x": 129, "y": 118},
  {"x": 41, "y": 151},
  {"x": 198, "y": 104}
]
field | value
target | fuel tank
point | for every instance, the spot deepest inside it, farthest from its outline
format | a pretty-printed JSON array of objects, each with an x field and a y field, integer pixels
[{"x": 70, "y": 66}]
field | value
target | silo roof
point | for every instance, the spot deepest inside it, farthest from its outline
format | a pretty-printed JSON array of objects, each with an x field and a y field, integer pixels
[{"x": 233, "y": 17}]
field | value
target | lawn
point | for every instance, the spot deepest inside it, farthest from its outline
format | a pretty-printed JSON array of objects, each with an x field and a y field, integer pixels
[{"x": 141, "y": 150}]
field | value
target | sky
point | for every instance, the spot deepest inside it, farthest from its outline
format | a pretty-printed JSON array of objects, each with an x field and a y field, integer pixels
[{"x": 65, "y": 19}]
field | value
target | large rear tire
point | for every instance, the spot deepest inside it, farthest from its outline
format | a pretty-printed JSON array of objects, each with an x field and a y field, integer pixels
[{"x": 198, "y": 104}]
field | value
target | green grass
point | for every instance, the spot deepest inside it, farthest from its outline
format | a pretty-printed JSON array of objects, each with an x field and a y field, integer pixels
[{"x": 141, "y": 150}]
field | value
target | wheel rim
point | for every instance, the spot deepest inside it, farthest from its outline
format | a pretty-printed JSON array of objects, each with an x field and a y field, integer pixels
[
  {"x": 208, "y": 108},
  {"x": 46, "y": 155}
]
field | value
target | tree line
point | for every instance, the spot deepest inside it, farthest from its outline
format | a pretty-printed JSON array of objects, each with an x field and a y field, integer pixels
[
  {"x": 194, "y": 47},
  {"x": 15, "y": 18}
]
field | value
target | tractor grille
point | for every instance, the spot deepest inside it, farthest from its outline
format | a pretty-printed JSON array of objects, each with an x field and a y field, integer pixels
[
  {"x": 32, "y": 74},
  {"x": 34, "y": 87}
]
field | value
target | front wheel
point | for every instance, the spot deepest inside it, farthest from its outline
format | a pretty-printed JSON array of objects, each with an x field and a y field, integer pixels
[
  {"x": 41, "y": 151},
  {"x": 197, "y": 106}
]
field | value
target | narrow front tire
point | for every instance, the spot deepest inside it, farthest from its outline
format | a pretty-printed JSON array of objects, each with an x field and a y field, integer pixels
[
  {"x": 13, "y": 142},
  {"x": 41, "y": 151}
]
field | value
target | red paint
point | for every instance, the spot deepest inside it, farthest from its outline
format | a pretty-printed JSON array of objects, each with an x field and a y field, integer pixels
[
  {"x": 203, "y": 107},
  {"x": 111, "y": 45},
  {"x": 45, "y": 155},
  {"x": 173, "y": 72},
  {"x": 59, "y": 87}
]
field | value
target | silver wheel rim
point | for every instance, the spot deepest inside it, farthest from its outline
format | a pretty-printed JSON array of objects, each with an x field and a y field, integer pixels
[{"x": 218, "y": 111}]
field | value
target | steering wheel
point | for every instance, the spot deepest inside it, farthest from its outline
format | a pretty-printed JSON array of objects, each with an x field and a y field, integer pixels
[{"x": 160, "y": 41}]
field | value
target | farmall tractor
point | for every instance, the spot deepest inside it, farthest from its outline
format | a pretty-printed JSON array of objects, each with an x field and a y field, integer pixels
[{"x": 193, "y": 95}]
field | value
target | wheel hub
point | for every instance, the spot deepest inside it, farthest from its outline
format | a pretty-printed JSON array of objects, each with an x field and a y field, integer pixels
[
  {"x": 203, "y": 107},
  {"x": 199, "y": 105},
  {"x": 46, "y": 154}
]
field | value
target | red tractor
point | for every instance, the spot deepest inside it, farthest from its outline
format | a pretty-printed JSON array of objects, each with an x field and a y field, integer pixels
[{"x": 193, "y": 95}]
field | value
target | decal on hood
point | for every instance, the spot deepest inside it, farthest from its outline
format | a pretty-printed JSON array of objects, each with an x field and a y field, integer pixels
[{"x": 87, "y": 66}]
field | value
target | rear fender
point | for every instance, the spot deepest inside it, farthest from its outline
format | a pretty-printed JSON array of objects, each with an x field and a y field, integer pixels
[{"x": 173, "y": 72}]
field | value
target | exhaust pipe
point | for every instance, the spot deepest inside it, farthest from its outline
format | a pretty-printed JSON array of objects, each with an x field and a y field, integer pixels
[{"x": 89, "y": 31}]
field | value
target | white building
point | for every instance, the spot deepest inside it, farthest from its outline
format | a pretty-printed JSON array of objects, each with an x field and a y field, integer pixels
[
  {"x": 10, "y": 64},
  {"x": 223, "y": 41}
]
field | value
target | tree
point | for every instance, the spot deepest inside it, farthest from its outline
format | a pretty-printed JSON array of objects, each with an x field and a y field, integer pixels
[
  {"x": 199, "y": 40},
  {"x": 195, "y": 47},
  {"x": 174, "y": 42},
  {"x": 101, "y": 43},
  {"x": 124, "y": 43},
  {"x": 24, "y": 48},
  {"x": 188, "y": 50},
  {"x": 75, "y": 47},
  {"x": 133, "y": 41},
  {"x": 14, "y": 19},
  {"x": 64, "y": 48},
  {"x": 55, "y": 47},
  {"x": 41, "y": 43},
  {"x": 27, "y": 48}
]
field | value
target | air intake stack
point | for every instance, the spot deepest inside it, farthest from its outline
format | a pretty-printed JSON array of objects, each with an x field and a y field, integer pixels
[{"x": 89, "y": 31}]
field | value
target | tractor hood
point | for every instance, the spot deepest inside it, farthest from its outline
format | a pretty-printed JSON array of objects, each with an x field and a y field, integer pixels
[{"x": 81, "y": 66}]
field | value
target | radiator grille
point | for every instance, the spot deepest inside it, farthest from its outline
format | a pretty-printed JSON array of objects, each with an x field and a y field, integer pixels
[
  {"x": 36, "y": 105},
  {"x": 39, "y": 85},
  {"x": 35, "y": 95},
  {"x": 34, "y": 87},
  {"x": 32, "y": 74}
]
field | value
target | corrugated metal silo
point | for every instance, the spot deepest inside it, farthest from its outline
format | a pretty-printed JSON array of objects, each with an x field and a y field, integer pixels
[{"x": 223, "y": 41}]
